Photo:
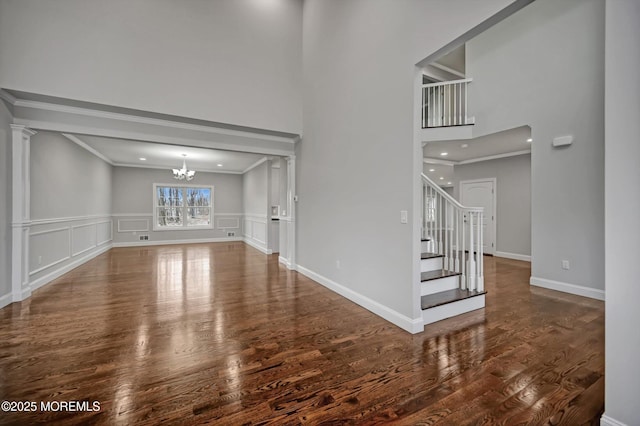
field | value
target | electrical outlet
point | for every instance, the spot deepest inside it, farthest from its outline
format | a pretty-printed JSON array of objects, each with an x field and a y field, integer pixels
[
  {"x": 39, "y": 260},
  {"x": 565, "y": 265},
  {"x": 337, "y": 264},
  {"x": 231, "y": 234},
  {"x": 144, "y": 238}
]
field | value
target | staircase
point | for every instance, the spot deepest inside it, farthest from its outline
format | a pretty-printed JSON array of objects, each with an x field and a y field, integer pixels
[{"x": 451, "y": 265}]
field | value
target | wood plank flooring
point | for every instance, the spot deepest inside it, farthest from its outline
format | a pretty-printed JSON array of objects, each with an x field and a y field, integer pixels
[{"x": 221, "y": 334}]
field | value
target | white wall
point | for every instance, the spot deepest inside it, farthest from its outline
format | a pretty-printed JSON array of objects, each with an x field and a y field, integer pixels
[
  {"x": 622, "y": 201},
  {"x": 133, "y": 205},
  {"x": 513, "y": 196},
  {"x": 67, "y": 180},
  {"x": 358, "y": 164},
  {"x": 70, "y": 207},
  {"x": 543, "y": 67},
  {"x": 231, "y": 61},
  {"x": 5, "y": 210},
  {"x": 255, "y": 201}
]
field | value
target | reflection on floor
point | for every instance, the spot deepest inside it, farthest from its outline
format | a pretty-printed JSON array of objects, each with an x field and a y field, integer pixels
[{"x": 221, "y": 333}]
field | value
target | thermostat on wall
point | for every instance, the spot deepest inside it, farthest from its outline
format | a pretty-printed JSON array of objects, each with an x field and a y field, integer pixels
[{"x": 563, "y": 141}]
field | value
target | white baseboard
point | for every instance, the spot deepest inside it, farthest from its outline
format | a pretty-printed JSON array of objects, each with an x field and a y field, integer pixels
[
  {"x": 45, "y": 279},
  {"x": 411, "y": 325},
  {"x": 608, "y": 421},
  {"x": 568, "y": 288},
  {"x": 169, "y": 242},
  {"x": 257, "y": 246},
  {"x": 284, "y": 261},
  {"x": 514, "y": 256},
  {"x": 5, "y": 300}
]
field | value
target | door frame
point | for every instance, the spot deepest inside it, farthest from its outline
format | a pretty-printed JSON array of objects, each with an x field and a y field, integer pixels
[{"x": 494, "y": 181}]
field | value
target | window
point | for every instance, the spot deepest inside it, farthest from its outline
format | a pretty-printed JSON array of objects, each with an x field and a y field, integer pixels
[{"x": 182, "y": 207}]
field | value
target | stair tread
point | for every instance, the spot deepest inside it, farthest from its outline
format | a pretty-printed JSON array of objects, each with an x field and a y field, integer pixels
[
  {"x": 427, "y": 255},
  {"x": 449, "y": 296},
  {"x": 439, "y": 273}
]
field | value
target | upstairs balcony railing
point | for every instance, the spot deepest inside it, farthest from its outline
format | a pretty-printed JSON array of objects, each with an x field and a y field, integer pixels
[{"x": 444, "y": 104}]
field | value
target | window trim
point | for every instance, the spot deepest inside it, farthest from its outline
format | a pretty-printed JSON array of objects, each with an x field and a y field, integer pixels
[{"x": 184, "y": 226}]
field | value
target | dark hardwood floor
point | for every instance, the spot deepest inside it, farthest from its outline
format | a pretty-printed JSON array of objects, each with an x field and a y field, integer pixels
[{"x": 221, "y": 334}]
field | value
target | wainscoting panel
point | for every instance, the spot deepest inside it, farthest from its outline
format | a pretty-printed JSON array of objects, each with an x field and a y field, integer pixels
[
  {"x": 255, "y": 232},
  {"x": 133, "y": 225},
  {"x": 228, "y": 223},
  {"x": 48, "y": 248},
  {"x": 104, "y": 232},
  {"x": 57, "y": 245},
  {"x": 83, "y": 238}
]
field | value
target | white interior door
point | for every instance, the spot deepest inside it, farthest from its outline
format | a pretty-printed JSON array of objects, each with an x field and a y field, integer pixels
[{"x": 481, "y": 193}]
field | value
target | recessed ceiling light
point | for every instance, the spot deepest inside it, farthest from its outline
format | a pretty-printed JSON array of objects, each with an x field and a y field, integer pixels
[
  {"x": 530, "y": 140},
  {"x": 448, "y": 183},
  {"x": 142, "y": 159},
  {"x": 441, "y": 178},
  {"x": 432, "y": 170},
  {"x": 464, "y": 145},
  {"x": 444, "y": 154},
  {"x": 219, "y": 165}
]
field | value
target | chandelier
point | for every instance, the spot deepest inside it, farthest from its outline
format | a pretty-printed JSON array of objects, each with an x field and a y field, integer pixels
[{"x": 183, "y": 173}]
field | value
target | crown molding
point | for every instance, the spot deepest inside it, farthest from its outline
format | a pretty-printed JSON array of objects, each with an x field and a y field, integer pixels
[
  {"x": 143, "y": 137},
  {"x": 254, "y": 165},
  {"x": 198, "y": 170},
  {"x": 428, "y": 160},
  {"x": 46, "y": 106},
  {"x": 79, "y": 142},
  {"x": 8, "y": 97}
]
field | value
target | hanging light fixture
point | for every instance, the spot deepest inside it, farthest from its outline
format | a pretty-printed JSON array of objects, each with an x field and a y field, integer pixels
[{"x": 183, "y": 173}]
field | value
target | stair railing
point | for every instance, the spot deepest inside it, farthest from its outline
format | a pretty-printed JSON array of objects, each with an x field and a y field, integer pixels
[
  {"x": 454, "y": 231},
  {"x": 445, "y": 104}
]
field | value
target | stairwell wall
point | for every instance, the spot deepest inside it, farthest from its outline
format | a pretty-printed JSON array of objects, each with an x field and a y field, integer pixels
[
  {"x": 358, "y": 162},
  {"x": 543, "y": 67}
]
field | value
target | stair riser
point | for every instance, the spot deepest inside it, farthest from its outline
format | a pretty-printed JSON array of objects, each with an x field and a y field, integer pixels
[
  {"x": 425, "y": 246},
  {"x": 434, "y": 264},
  {"x": 449, "y": 310},
  {"x": 438, "y": 285}
]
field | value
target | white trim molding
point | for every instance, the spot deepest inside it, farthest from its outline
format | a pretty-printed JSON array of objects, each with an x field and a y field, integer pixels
[
  {"x": 592, "y": 293},
  {"x": 46, "y": 279},
  {"x": 609, "y": 421},
  {"x": 6, "y": 300},
  {"x": 254, "y": 165},
  {"x": 257, "y": 246},
  {"x": 172, "y": 242},
  {"x": 514, "y": 256},
  {"x": 138, "y": 229},
  {"x": 413, "y": 326},
  {"x": 21, "y": 210},
  {"x": 83, "y": 144},
  {"x": 429, "y": 160}
]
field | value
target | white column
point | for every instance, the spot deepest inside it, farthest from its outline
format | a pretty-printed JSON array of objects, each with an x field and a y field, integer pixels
[
  {"x": 291, "y": 207},
  {"x": 21, "y": 214}
]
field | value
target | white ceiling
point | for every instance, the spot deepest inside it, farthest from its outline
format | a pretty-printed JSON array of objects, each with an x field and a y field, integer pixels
[
  {"x": 506, "y": 143},
  {"x": 122, "y": 152},
  {"x": 501, "y": 143}
]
